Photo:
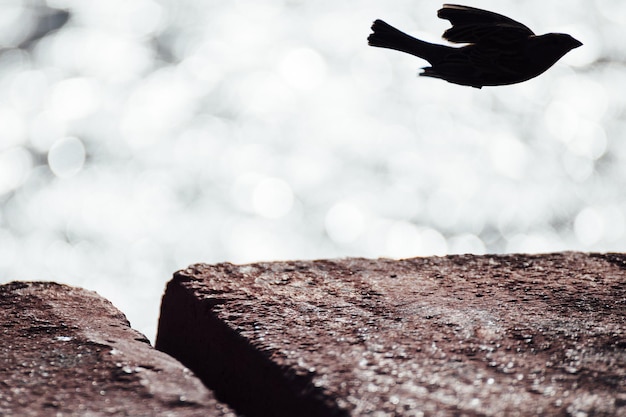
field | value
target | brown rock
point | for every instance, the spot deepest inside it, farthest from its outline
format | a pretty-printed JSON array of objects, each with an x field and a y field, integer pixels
[
  {"x": 512, "y": 335},
  {"x": 68, "y": 352}
]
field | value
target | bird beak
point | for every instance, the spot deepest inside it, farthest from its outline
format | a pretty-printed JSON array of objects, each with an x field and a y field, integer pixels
[{"x": 576, "y": 43}]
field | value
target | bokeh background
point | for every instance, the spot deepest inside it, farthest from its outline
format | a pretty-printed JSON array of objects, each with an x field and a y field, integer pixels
[{"x": 140, "y": 136}]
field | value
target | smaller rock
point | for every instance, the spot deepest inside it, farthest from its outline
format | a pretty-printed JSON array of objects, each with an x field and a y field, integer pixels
[{"x": 68, "y": 352}]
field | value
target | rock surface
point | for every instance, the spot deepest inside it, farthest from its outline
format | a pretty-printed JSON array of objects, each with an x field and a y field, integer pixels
[
  {"x": 513, "y": 335},
  {"x": 68, "y": 352}
]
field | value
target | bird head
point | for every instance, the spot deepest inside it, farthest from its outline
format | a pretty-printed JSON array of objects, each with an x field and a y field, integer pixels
[
  {"x": 566, "y": 41},
  {"x": 552, "y": 46}
]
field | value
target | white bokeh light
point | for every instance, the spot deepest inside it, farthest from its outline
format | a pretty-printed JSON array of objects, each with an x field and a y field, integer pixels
[
  {"x": 345, "y": 222},
  {"x": 8, "y": 249},
  {"x": 15, "y": 165},
  {"x": 66, "y": 157},
  {"x": 509, "y": 156},
  {"x": 272, "y": 198},
  {"x": 74, "y": 98},
  {"x": 589, "y": 226},
  {"x": 303, "y": 69},
  {"x": 405, "y": 240},
  {"x": 466, "y": 243},
  {"x": 45, "y": 129},
  {"x": 16, "y": 21},
  {"x": 12, "y": 128}
]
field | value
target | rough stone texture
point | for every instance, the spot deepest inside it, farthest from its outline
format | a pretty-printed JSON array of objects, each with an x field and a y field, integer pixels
[
  {"x": 68, "y": 352},
  {"x": 511, "y": 335}
]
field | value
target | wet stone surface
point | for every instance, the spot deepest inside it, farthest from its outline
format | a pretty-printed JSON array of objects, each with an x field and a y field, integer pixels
[
  {"x": 514, "y": 335},
  {"x": 68, "y": 352}
]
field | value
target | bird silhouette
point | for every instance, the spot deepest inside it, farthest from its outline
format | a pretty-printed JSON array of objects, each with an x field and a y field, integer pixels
[{"x": 500, "y": 50}]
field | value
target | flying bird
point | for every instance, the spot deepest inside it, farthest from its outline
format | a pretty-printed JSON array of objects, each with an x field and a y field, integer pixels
[{"x": 499, "y": 50}]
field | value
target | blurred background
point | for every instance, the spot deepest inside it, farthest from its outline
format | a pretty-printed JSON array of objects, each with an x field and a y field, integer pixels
[{"x": 140, "y": 136}]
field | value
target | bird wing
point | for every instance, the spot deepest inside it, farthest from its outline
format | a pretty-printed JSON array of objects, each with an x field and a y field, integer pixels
[{"x": 471, "y": 25}]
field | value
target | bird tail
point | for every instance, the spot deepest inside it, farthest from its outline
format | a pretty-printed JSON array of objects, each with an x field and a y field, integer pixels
[{"x": 386, "y": 36}]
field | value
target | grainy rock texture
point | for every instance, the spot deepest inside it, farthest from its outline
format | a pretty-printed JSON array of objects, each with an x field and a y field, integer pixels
[
  {"x": 68, "y": 352},
  {"x": 511, "y": 335}
]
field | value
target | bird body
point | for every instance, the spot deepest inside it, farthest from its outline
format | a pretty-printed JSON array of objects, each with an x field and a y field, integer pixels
[{"x": 499, "y": 50}]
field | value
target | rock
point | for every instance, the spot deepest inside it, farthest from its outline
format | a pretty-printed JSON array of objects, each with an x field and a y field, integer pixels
[
  {"x": 68, "y": 352},
  {"x": 514, "y": 335}
]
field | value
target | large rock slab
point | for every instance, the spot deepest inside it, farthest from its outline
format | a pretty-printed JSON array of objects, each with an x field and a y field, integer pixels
[
  {"x": 66, "y": 351},
  {"x": 513, "y": 335}
]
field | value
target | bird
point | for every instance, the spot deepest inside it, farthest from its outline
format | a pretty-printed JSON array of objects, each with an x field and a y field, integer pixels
[{"x": 499, "y": 50}]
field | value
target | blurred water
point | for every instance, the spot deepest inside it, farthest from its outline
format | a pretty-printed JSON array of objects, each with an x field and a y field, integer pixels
[{"x": 140, "y": 136}]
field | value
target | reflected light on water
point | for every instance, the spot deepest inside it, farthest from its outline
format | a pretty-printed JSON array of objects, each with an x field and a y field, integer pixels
[{"x": 139, "y": 137}]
